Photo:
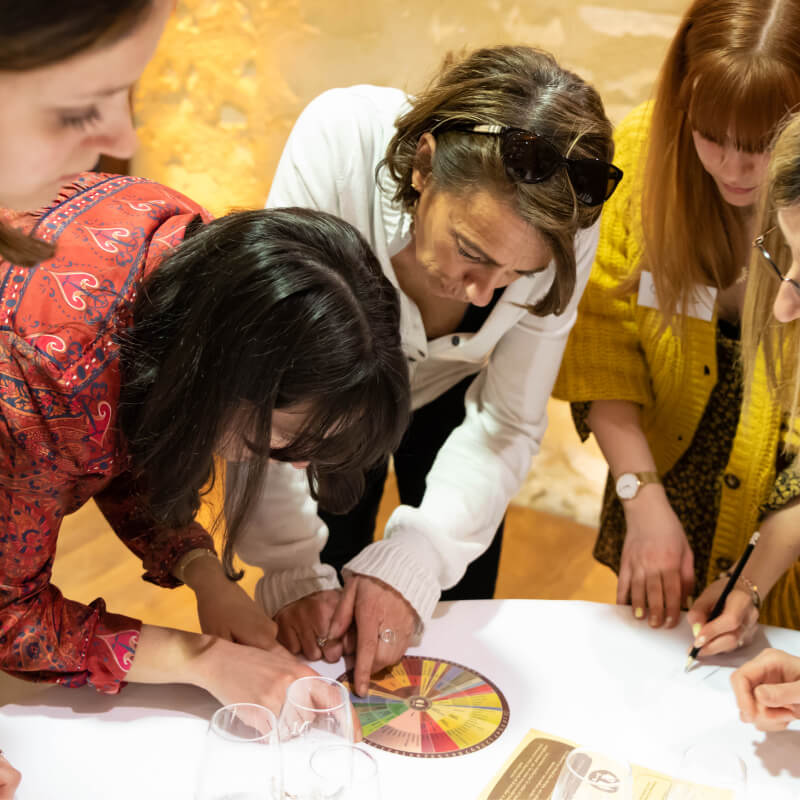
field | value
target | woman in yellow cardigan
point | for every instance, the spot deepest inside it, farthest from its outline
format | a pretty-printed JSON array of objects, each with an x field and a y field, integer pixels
[
  {"x": 652, "y": 364},
  {"x": 768, "y": 687}
]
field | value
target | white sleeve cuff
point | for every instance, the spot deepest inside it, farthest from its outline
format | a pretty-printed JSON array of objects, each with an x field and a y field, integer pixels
[
  {"x": 277, "y": 589},
  {"x": 394, "y": 564}
]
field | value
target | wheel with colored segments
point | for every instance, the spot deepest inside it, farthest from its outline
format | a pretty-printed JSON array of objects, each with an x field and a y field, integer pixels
[{"x": 429, "y": 708}]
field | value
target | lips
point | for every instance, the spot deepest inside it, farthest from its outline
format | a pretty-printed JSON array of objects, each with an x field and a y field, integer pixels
[{"x": 738, "y": 189}]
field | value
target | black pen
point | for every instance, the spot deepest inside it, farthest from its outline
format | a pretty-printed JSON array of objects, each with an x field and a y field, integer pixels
[{"x": 720, "y": 604}]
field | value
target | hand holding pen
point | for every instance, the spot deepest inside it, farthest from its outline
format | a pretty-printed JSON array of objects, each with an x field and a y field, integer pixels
[{"x": 742, "y": 608}]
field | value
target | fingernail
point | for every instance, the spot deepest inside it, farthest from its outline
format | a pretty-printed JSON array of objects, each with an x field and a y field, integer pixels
[
  {"x": 653, "y": 622},
  {"x": 699, "y": 642},
  {"x": 696, "y": 629},
  {"x": 639, "y": 613},
  {"x": 668, "y": 621}
]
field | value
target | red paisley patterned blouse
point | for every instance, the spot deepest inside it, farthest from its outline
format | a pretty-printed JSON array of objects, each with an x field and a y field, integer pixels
[{"x": 59, "y": 442}]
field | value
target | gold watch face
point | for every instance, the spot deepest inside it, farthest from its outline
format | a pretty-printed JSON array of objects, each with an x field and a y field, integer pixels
[{"x": 627, "y": 486}]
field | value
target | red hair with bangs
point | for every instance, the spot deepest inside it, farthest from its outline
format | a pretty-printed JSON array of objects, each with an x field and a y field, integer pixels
[{"x": 732, "y": 73}]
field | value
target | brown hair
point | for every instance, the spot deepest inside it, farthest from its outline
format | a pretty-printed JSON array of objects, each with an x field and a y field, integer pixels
[
  {"x": 733, "y": 66},
  {"x": 516, "y": 87},
  {"x": 781, "y": 341},
  {"x": 38, "y": 33}
]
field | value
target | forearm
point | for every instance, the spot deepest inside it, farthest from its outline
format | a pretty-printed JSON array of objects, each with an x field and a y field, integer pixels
[
  {"x": 777, "y": 549},
  {"x": 616, "y": 425},
  {"x": 167, "y": 655}
]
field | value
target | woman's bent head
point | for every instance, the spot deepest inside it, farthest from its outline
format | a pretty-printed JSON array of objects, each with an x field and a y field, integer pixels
[
  {"x": 266, "y": 334},
  {"x": 435, "y": 151},
  {"x": 772, "y": 304},
  {"x": 66, "y": 70},
  {"x": 730, "y": 76}
]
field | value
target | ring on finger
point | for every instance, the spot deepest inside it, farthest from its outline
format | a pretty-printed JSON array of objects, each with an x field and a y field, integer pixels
[
  {"x": 387, "y": 636},
  {"x": 322, "y": 641}
]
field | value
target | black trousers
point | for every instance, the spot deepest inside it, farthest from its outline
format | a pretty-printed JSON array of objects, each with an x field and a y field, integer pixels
[{"x": 430, "y": 426}]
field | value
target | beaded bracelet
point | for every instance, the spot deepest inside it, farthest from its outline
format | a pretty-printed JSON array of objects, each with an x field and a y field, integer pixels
[{"x": 755, "y": 595}]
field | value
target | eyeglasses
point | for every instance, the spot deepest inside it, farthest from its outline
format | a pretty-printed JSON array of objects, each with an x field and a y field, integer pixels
[
  {"x": 758, "y": 243},
  {"x": 530, "y": 158}
]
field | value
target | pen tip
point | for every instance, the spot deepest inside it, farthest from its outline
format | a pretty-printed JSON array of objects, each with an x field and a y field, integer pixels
[{"x": 690, "y": 662}]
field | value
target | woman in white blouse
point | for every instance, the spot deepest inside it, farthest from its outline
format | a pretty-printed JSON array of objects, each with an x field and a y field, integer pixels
[{"x": 480, "y": 197}]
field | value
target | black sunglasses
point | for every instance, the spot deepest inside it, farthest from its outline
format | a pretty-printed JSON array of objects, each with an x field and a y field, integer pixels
[{"x": 530, "y": 158}]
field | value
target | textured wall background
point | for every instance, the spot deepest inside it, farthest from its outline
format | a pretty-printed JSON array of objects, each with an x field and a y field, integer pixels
[{"x": 230, "y": 77}]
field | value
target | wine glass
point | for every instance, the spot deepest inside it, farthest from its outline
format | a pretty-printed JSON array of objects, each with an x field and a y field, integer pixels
[
  {"x": 316, "y": 713},
  {"x": 344, "y": 772},
  {"x": 706, "y": 764},
  {"x": 241, "y": 757},
  {"x": 588, "y": 775}
]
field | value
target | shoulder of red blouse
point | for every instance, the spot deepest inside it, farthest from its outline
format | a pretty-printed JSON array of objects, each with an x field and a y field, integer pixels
[{"x": 59, "y": 389}]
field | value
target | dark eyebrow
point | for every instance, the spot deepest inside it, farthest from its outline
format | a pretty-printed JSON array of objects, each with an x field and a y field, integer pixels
[{"x": 490, "y": 261}]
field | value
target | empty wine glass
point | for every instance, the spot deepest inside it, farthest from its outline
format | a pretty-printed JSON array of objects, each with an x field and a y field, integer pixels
[
  {"x": 706, "y": 764},
  {"x": 344, "y": 772},
  {"x": 316, "y": 713},
  {"x": 241, "y": 757},
  {"x": 588, "y": 775}
]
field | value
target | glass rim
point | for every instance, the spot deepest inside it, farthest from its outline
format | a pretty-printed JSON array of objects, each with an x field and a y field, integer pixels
[
  {"x": 214, "y": 725},
  {"x": 589, "y": 751},
  {"x": 332, "y": 682}
]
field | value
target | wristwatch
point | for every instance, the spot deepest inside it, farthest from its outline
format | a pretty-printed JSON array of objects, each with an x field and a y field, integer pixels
[{"x": 629, "y": 483}]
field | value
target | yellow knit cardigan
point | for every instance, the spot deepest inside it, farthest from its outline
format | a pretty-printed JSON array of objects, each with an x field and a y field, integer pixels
[{"x": 616, "y": 351}]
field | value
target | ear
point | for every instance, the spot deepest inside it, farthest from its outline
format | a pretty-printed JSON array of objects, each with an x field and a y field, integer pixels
[{"x": 423, "y": 161}]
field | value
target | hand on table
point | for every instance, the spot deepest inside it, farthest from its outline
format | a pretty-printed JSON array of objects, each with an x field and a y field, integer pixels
[
  {"x": 657, "y": 568},
  {"x": 377, "y": 609},
  {"x": 307, "y": 621},
  {"x": 767, "y": 690},
  {"x": 227, "y": 611},
  {"x": 733, "y": 628},
  {"x": 9, "y": 779}
]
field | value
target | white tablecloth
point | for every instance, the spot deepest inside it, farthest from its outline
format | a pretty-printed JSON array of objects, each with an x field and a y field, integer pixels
[{"x": 583, "y": 671}]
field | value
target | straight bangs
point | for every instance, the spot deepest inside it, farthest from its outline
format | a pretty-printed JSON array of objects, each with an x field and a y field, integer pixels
[{"x": 742, "y": 99}]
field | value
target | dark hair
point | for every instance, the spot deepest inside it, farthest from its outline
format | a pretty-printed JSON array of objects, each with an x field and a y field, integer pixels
[
  {"x": 518, "y": 87},
  {"x": 256, "y": 311},
  {"x": 38, "y": 33}
]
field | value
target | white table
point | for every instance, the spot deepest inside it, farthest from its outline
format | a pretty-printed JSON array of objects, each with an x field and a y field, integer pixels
[{"x": 583, "y": 671}]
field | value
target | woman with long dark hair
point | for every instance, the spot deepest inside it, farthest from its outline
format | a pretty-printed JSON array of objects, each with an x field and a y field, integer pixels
[
  {"x": 480, "y": 196},
  {"x": 138, "y": 340}
]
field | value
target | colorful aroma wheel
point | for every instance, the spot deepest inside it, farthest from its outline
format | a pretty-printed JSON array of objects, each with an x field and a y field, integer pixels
[{"x": 430, "y": 708}]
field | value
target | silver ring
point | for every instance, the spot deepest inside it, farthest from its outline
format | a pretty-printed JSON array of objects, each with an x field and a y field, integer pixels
[
  {"x": 387, "y": 636},
  {"x": 322, "y": 641}
]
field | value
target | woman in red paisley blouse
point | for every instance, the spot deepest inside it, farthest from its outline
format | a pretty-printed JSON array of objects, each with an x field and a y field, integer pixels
[{"x": 137, "y": 340}]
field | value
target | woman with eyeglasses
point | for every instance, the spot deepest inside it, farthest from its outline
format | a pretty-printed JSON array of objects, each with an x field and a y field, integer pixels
[
  {"x": 770, "y": 356},
  {"x": 652, "y": 365},
  {"x": 767, "y": 688},
  {"x": 139, "y": 339},
  {"x": 480, "y": 197}
]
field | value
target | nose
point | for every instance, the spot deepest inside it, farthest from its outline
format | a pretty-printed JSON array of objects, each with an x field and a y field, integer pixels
[
  {"x": 479, "y": 288},
  {"x": 118, "y": 137},
  {"x": 737, "y": 164},
  {"x": 787, "y": 302}
]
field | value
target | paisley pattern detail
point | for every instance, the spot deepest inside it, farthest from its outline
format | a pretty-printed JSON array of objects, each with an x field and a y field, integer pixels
[
  {"x": 59, "y": 389},
  {"x": 145, "y": 205},
  {"x": 49, "y": 342},
  {"x": 74, "y": 286},
  {"x": 171, "y": 239},
  {"x": 122, "y": 646},
  {"x": 109, "y": 239}
]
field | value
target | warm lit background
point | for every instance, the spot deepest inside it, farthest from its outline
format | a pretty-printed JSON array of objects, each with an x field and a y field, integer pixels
[{"x": 214, "y": 109}]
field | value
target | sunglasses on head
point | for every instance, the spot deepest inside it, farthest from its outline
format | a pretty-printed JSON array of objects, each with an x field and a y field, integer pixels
[{"x": 530, "y": 158}]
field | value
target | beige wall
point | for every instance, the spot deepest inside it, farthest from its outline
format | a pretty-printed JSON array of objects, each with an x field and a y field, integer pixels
[{"x": 231, "y": 76}]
